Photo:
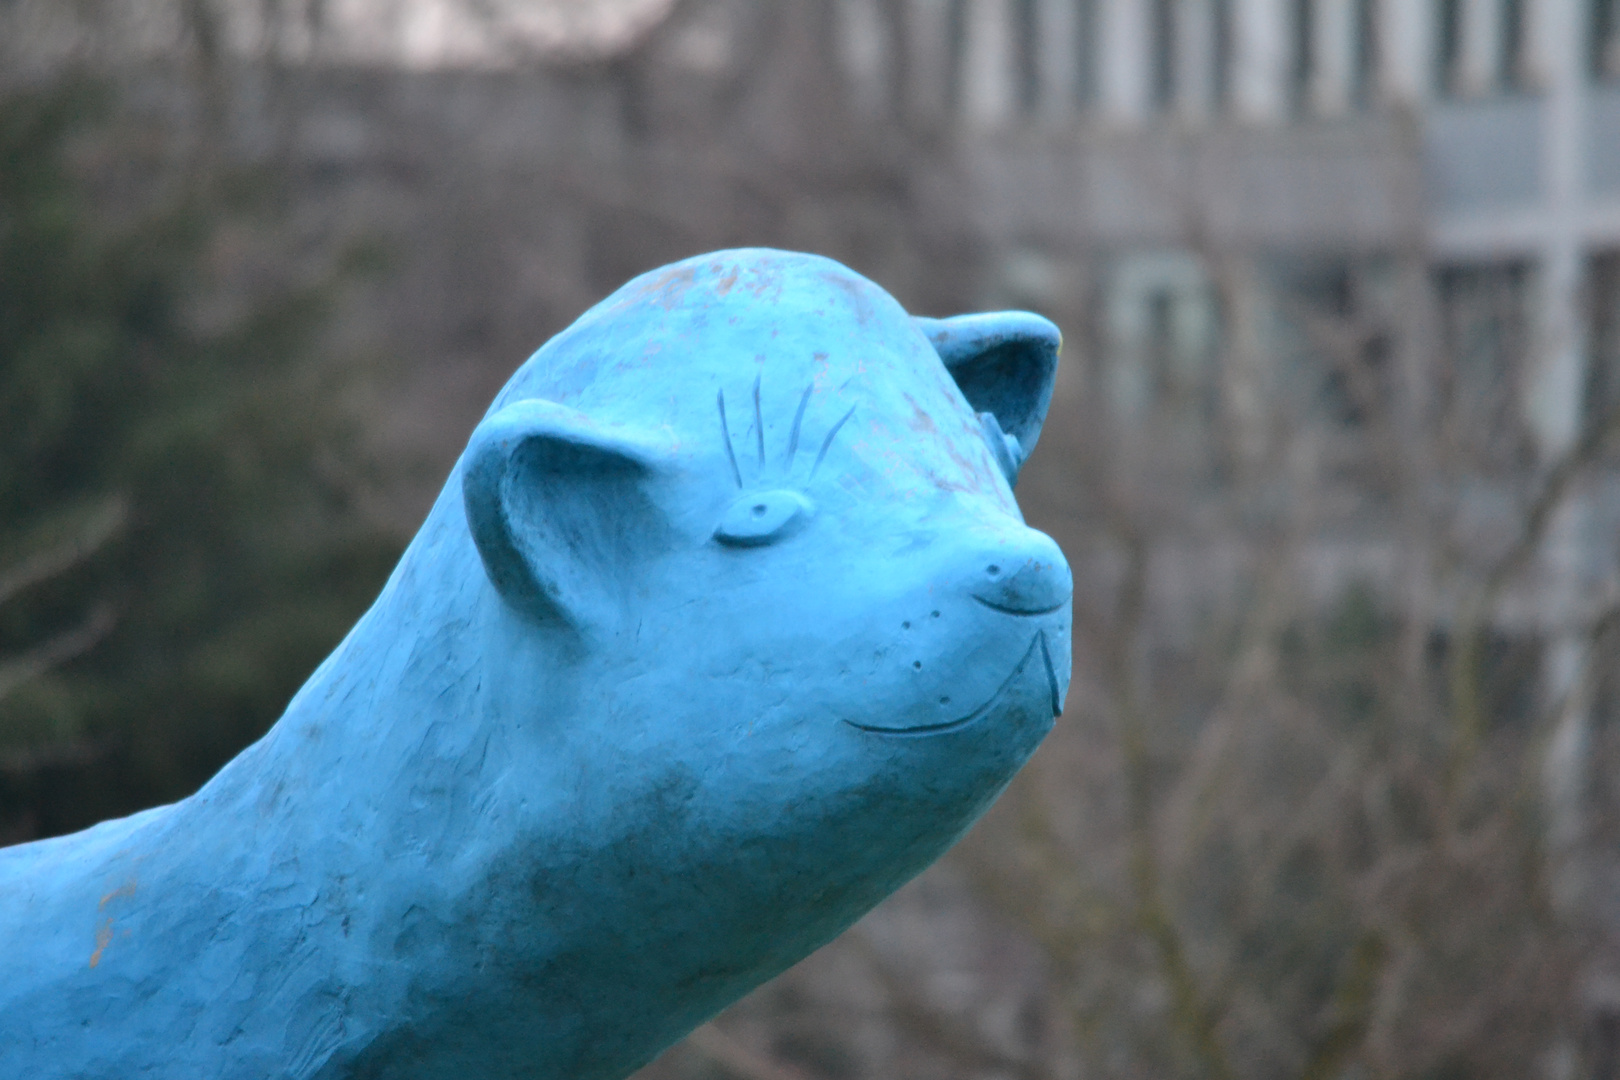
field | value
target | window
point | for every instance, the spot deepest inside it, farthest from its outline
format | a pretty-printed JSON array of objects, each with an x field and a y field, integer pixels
[
  {"x": 955, "y": 53},
  {"x": 1448, "y": 45},
  {"x": 1221, "y": 90},
  {"x": 1605, "y": 39},
  {"x": 1510, "y": 74},
  {"x": 1164, "y": 339},
  {"x": 1603, "y": 341},
  {"x": 1304, "y": 53},
  {"x": 1365, "y": 60},
  {"x": 1085, "y": 52},
  {"x": 1164, "y": 54},
  {"x": 1026, "y": 44},
  {"x": 1335, "y": 340},
  {"x": 1485, "y": 336}
]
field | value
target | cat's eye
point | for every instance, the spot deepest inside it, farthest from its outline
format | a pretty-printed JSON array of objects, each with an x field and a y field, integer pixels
[{"x": 763, "y": 517}]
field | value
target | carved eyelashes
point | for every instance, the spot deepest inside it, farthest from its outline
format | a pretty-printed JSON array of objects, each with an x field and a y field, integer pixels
[
  {"x": 764, "y": 516},
  {"x": 759, "y": 434}
]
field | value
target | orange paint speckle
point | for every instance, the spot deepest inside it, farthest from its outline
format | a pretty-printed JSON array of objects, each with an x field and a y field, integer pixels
[
  {"x": 104, "y": 932},
  {"x": 126, "y": 889},
  {"x": 104, "y": 936}
]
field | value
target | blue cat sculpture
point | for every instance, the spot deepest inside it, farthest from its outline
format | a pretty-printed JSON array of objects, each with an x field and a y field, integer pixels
[{"x": 725, "y": 625}]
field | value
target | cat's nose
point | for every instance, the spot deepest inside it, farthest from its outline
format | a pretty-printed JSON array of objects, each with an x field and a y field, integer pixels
[{"x": 1025, "y": 575}]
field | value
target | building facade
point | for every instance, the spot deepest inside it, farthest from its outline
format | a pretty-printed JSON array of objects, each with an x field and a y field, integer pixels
[{"x": 1290, "y": 125}]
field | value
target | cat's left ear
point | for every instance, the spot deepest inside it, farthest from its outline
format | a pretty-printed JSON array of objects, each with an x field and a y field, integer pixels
[
  {"x": 1004, "y": 362},
  {"x": 559, "y": 505}
]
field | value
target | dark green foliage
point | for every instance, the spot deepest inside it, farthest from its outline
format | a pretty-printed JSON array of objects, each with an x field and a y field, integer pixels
[{"x": 178, "y": 474}]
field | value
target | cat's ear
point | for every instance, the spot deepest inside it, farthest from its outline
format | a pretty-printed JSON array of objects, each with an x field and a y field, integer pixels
[
  {"x": 1004, "y": 362},
  {"x": 558, "y": 505}
]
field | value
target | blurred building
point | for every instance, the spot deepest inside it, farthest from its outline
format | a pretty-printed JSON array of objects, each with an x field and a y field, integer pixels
[
  {"x": 1483, "y": 133},
  {"x": 1193, "y": 166}
]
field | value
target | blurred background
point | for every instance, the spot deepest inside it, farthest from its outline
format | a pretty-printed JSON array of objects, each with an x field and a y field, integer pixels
[{"x": 1333, "y": 454}]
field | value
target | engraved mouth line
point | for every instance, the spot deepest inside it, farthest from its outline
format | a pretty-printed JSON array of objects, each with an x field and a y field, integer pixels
[
  {"x": 1009, "y": 610},
  {"x": 1037, "y": 645}
]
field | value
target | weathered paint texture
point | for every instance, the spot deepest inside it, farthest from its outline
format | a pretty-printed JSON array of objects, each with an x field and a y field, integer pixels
[{"x": 725, "y": 625}]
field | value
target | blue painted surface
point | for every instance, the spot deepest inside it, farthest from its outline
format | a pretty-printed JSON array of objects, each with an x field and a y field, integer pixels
[{"x": 725, "y": 625}]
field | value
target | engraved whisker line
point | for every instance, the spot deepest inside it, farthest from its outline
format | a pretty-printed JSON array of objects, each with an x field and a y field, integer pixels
[
  {"x": 826, "y": 443},
  {"x": 725, "y": 430},
  {"x": 798, "y": 419},
  {"x": 759, "y": 423}
]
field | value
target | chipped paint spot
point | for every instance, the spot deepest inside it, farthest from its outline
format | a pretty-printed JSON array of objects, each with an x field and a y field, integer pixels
[
  {"x": 126, "y": 889},
  {"x": 668, "y": 287},
  {"x": 920, "y": 420},
  {"x": 765, "y": 277},
  {"x": 104, "y": 936}
]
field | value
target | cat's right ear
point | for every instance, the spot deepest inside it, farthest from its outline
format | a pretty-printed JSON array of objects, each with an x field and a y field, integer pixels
[
  {"x": 559, "y": 508},
  {"x": 1004, "y": 362}
]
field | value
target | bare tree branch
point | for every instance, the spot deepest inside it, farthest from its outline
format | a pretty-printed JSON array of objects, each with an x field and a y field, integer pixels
[
  {"x": 937, "y": 1030},
  {"x": 1194, "y": 1017},
  {"x": 63, "y": 557},
  {"x": 738, "y": 1059},
  {"x": 1467, "y": 704},
  {"x": 74, "y": 753},
  {"x": 18, "y": 672}
]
